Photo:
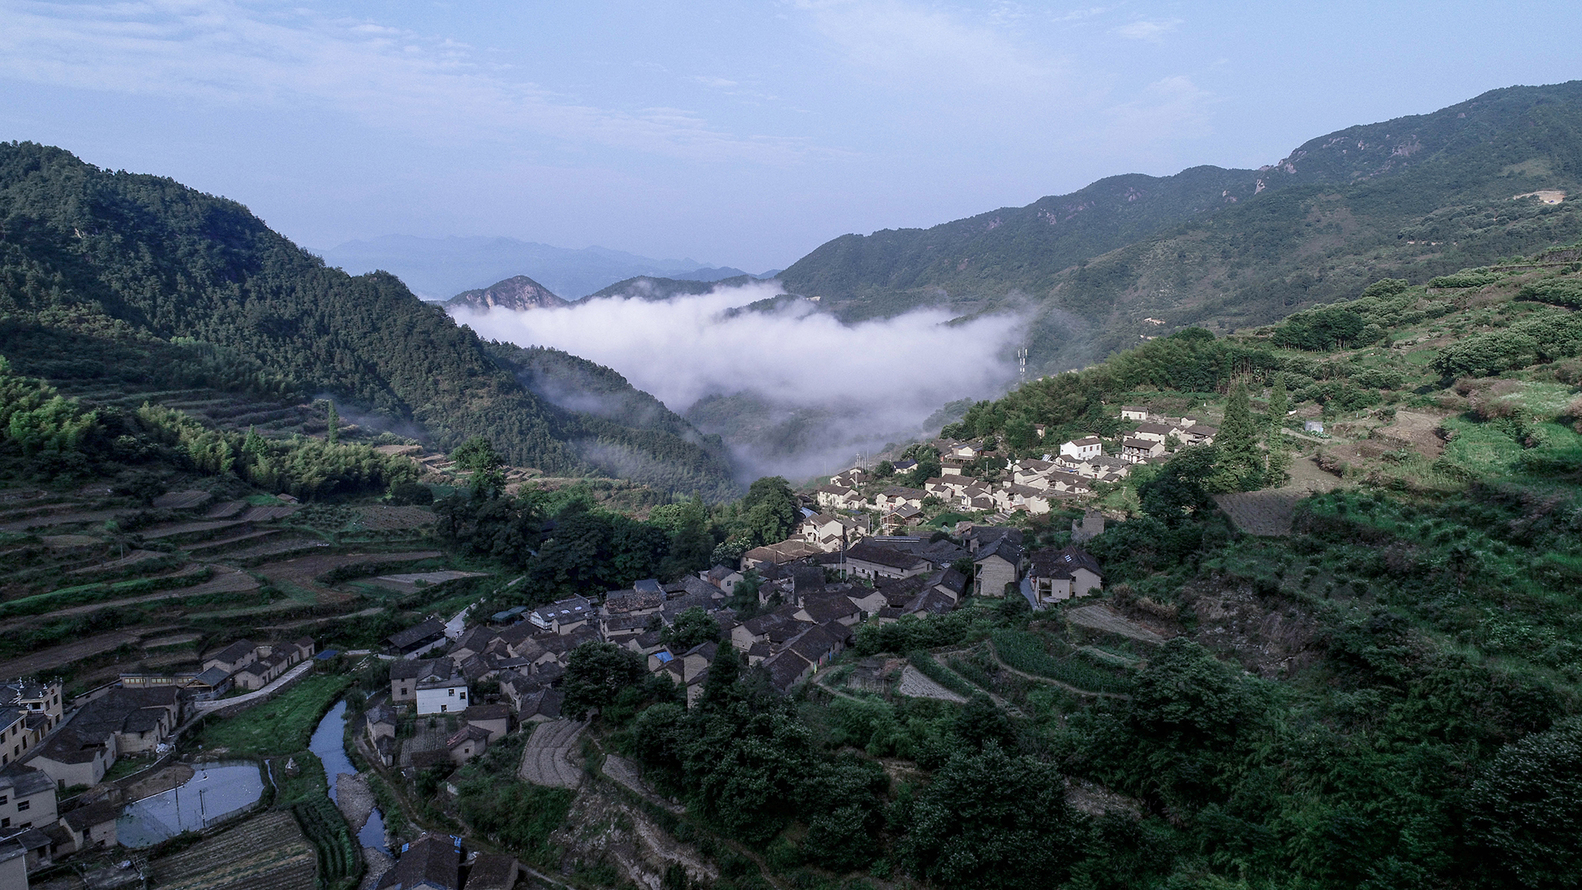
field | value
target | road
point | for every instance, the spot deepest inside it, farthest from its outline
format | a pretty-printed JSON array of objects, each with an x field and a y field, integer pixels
[{"x": 204, "y": 707}]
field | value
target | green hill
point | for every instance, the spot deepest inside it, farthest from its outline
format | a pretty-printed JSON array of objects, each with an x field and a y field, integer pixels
[
  {"x": 1133, "y": 256},
  {"x": 132, "y": 279}
]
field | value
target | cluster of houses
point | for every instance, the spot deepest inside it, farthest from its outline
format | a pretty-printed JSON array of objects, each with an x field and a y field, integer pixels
[
  {"x": 44, "y": 756},
  {"x": 439, "y": 862},
  {"x": 44, "y": 750},
  {"x": 242, "y": 665},
  {"x": 1031, "y": 485},
  {"x": 810, "y": 601}
]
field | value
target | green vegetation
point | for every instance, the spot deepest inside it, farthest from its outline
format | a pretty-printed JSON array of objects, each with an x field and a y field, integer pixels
[
  {"x": 340, "y": 859},
  {"x": 1417, "y": 199},
  {"x": 517, "y": 815},
  {"x": 279, "y": 726},
  {"x": 124, "y": 280}
]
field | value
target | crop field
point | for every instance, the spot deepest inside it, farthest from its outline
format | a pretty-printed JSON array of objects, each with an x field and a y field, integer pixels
[
  {"x": 1263, "y": 513},
  {"x": 268, "y": 852}
]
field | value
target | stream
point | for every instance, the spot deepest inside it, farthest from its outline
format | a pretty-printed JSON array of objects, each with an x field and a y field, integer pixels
[{"x": 328, "y": 743}]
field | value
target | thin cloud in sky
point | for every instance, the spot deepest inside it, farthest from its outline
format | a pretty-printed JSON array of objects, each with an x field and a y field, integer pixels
[
  {"x": 928, "y": 44},
  {"x": 1170, "y": 108},
  {"x": 233, "y": 53},
  {"x": 1150, "y": 30}
]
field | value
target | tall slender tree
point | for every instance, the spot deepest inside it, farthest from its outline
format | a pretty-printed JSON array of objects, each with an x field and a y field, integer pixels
[{"x": 1239, "y": 465}]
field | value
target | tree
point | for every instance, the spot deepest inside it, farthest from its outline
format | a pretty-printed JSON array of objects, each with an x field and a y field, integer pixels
[
  {"x": 1239, "y": 463},
  {"x": 1525, "y": 808},
  {"x": 990, "y": 820},
  {"x": 692, "y": 627},
  {"x": 769, "y": 510},
  {"x": 596, "y": 673},
  {"x": 333, "y": 421},
  {"x": 1278, "y": 405},
  {"x": 478, "y": 457},
  {"x": 691, "y": 545}
]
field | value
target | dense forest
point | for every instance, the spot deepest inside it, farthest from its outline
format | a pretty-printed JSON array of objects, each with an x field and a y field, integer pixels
[{"x": 145, "y": 279}]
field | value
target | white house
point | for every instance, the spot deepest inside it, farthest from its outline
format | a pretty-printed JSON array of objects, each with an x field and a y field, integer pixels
[
  {"x": 1083, "y": 449},
  {"x": 442, "y": 695}
]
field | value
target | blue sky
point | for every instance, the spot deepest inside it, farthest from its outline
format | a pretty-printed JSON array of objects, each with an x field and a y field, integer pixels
[{"x": 736, "y": 133}]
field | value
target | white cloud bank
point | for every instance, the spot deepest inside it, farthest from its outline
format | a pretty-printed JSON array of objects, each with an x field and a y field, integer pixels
[{"x": 859, "y": 385}]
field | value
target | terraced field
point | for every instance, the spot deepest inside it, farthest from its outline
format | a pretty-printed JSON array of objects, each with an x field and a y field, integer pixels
[
  {"x": 268, "y": 852},
  {"x": 92, "y": 583}
]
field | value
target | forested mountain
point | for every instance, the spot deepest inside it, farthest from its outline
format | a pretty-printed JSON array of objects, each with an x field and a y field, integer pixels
[
  {"x": 1134, "y": 255},
  {"x": 515, "y": 293},
  {"x": 646, "y": 287},
  {"x": 127, "y": 276}
]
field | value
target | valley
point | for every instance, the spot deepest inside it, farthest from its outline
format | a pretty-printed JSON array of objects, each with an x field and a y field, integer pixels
[{"x": 1275, "y": 588}]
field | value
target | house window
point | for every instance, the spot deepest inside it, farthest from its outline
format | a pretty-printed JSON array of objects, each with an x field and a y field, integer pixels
[
  {"x": 464, "y": 693},
  {"x": 22, "y": 805},
  {"x": 442, "y": 708},
  {"x": 6, "y": 822},
  {"x": 450, "y": 692}
]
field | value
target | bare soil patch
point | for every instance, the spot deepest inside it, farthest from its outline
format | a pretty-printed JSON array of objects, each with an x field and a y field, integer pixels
[
  {"x": 181, "y": 500},
  {"x": 1101, "y": 617},
  {"x": 162, "y": 780},
  {"x": 187, "y": 528},
  {"x": 303, "y": 570},
  {"x": 1414, "y": 430},
  {"x": 411, "y": 582},
  {"x": 1270, "y": 636},
  {"x": 914, "y": 684}
]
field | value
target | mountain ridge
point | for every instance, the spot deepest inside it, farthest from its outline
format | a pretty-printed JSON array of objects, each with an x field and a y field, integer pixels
[
  {"x": 1098, "y": 267},
  {"x": 115, "y": 276},
  {"x": 436, "y": 268}
]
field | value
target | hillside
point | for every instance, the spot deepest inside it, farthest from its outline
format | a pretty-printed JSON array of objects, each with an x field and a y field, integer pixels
[
  {"x": 1130, "y": 256},
  {"x": 516, "y": 294},
  {"x": 645, "y": 287},
  {"x": 120, "y": 280}
]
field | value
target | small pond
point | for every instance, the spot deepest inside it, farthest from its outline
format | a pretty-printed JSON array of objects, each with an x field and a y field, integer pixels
[
  {"x": 328, "y": 743},
  {"x": 216, "y": 790}
]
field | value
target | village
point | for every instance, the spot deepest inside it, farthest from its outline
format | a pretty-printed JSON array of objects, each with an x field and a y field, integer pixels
[
  {"x": 458, "y": 687},
  {"x": 861, "y": 553}
]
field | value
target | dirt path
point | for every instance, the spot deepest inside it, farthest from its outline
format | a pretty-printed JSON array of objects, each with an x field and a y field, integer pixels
[
  {"x": 546, "y": 759},
  {"x": 203, "y": 707},
  {"x": 225, "y": 580},
  {"x": 625, "y": 772}
]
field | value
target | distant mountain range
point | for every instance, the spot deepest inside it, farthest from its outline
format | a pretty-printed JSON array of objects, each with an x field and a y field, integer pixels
[
  {"x": 1135, "y": 256},
  {"x": 437, "y": 268}
]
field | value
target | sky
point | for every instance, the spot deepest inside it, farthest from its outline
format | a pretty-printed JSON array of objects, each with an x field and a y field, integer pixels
[{"x": 742, "y": 134}]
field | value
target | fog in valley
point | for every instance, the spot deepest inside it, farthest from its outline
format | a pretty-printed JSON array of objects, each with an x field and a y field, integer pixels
[{"x": 794, "y": 391}]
